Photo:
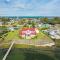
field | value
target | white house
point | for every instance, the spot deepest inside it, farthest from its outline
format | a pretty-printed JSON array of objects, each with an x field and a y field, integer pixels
[
  {"x": 1, "y": 23},
  {"x": 55, "y": 34}
]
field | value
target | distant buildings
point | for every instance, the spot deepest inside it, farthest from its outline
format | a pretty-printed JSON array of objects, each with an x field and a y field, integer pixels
[
  {"x": 41, "y": 25},
  {"x": 55, "y": 34},
  {"x": 1, "y": 23},
  {"x": 11, "y": 28}
]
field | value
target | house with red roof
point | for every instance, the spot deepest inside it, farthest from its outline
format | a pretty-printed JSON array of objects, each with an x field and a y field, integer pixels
[{"x": 28, "y": 33}]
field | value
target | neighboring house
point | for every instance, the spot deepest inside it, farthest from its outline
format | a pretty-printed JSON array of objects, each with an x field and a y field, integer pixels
[
  {"x": 55, "y": 34},
  {"x": 1, "y": 23},
  {"x": 12, "y": 21},
  {"x": 28, "y": 33},
  {"x": 11, "y": 28},
  {"x": 41, "y": 25}
]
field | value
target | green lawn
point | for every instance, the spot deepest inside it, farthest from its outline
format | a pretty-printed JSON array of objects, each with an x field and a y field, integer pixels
[
  {"x": 42, "y": 36},
  {"x": 15, "y": 36},
  {"x": 57, "y": 42}
]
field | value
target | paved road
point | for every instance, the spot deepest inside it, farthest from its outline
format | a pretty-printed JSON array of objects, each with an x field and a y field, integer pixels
[
  {"x": 36, "y": 42},
  {"x": 31, "y": 42}
]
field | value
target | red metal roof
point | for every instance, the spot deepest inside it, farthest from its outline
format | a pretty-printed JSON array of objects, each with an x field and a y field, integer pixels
[
  {"x": 24, "y": 29},
  {"x": 30, "y": 18},
  {"x": 28, "y": 31}
]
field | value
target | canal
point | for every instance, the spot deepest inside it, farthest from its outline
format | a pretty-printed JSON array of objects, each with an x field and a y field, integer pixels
[{"x": 31, "y": 54}]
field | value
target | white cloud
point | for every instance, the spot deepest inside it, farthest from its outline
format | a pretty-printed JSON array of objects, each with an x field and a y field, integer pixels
[
  {"x": 23, "y": 6},
  {"x": 33, "y": 8},
  {"x": 49, "y": 8},
  {"x": 8, "y": 1},
  {"x": 19, "y": 5}
]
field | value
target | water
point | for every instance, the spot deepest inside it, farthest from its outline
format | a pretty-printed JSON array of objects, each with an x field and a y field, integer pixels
[
  {"x": 27, "y": 16},
  {"x": 25, "y": 54}
]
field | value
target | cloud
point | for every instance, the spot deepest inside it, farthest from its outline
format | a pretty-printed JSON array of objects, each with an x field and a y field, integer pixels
[
  {"x": 20, "y": 6},
  {"x": 50, "y": 8},
  {"x": 7, "y": 0},
  {"x": 30, "y": 7}
]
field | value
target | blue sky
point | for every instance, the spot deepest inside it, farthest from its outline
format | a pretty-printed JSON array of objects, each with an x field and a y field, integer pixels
[{"x": 29, "y": 7}]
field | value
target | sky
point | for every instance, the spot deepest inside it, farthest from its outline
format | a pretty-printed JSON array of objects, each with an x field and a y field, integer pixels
[{"x": 29, "y": 7}]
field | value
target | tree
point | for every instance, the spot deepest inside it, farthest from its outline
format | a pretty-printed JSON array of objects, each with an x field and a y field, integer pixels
[
  {"x": 33, "y": 24},
  {"x": 44, "y": 20},
  {"x": 5, "y": 20},
  {"x": 56, "y": 20}
]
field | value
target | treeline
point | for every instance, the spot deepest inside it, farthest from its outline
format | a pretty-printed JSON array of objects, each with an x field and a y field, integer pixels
[
  {"x": 54, "y": 20},
  {"x": 4, "y": 20}
]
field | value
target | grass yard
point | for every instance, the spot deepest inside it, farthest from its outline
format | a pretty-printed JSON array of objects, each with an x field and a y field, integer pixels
[
  {"x": 57, "y": 42},
  {"x": 14, "y": 35},
  {"x": 42, "y": 36}
]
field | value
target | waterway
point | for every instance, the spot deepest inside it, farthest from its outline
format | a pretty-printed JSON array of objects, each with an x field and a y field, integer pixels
[{"x": 31, "y": 54}]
